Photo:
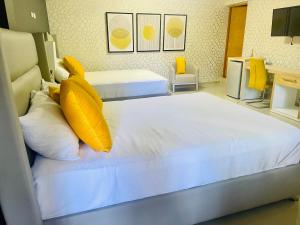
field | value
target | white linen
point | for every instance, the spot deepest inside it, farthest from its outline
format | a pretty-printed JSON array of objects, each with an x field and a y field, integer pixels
[
  {"x": 127, "y": 83},
  {"x": 162, "y": 145},
  {"x": 46, "y": 131}
]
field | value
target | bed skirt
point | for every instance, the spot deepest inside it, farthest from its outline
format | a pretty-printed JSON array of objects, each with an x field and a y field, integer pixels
[{"x": 198, "y": 204}]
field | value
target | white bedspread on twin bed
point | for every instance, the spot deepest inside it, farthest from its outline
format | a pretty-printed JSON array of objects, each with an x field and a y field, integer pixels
[
  {"x": 162, "y": 145},
  {"x": 127, "y": 83}
]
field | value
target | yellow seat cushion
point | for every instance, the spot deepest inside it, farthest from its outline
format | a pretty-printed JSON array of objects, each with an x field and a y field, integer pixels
[
  {"x": 54, "y": 93},
  {"x": 73, "y": 66},
  {"x": 180, "y": 65},
  {"x": 88, "y": 88},
  {"x": 84, "y": 116}
]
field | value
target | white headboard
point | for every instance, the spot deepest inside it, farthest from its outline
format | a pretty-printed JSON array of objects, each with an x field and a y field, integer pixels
[
  {"x": 21, "y": 58},
  {"x": 19, "y": 74}
]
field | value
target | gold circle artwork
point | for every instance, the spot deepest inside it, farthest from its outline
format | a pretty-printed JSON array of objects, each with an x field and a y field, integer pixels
[
  {"x": 120, "y": 38},
  {"x": 149, "y": 32},
  {"x": 120, "y": 32},
  {"x": 175, "y": 27}
]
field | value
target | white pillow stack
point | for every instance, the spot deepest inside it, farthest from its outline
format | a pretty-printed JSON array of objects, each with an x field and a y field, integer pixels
[{"x": 46, "y": 130}]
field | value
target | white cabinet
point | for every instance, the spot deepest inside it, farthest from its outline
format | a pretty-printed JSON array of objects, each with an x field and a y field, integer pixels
[
  {"x": 238, "y": 78},
  {"x": 234, "y": 75}
]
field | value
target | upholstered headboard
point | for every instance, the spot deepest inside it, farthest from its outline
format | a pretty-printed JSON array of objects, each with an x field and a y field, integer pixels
[
  {"x": 19, "y": 75},
  {"x": 21, "y": 59},
  {"x": 20, "y": 56}
]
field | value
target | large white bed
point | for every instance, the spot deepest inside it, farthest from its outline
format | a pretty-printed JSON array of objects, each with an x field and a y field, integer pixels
[
  {"x": 163, "y": 145},
  {"x": 176, "y": 160}
]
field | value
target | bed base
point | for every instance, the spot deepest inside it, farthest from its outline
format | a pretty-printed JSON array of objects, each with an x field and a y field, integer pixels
[{"x": 197, "y": 204}]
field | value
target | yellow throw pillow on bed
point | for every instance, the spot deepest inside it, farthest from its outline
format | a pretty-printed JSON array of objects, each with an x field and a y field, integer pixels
[
  {"x": 73, "y": 66},
  {"x": 180, "y": 65},
  {"x": 88, "y": 88},
  {"x": 84, "y": 116},
  {"x": 54, "y": 93}
]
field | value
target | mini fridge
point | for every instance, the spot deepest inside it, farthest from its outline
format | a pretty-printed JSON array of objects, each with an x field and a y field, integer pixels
[{"x": 234, "y": 78}]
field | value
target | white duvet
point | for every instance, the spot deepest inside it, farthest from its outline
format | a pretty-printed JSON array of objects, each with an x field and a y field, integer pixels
[
  {"x": 127, "y": 83},
  {"x": 162, "y": 145}
]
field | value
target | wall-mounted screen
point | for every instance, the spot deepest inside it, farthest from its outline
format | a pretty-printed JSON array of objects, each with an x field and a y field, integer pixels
[
  {"x": 294, "y": 26},
  {"x": 280, "y": 22}
]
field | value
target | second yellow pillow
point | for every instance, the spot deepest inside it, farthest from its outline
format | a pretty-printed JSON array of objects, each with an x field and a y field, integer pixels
[
  {"x": 73, "y": 66},
  {"x": 54, "y": 93}
]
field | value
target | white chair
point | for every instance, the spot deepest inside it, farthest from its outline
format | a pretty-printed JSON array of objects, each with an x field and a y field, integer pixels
[{"x": 191, "y": 77}]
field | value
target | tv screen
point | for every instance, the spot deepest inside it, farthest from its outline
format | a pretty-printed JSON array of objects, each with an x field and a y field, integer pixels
[
  {"x": 294, "y": 27},
  {"x": 280, "y": 22}
]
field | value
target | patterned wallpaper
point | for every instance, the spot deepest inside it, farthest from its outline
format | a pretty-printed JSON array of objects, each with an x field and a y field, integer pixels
[
  {"x": 258, "y": 34},
  {"x": 80, "y": 29}
]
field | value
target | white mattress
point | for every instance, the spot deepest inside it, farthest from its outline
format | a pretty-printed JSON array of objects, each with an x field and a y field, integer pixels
[
  {"x": 163, "y": 145},
  {"x": 127, "y": 83}
]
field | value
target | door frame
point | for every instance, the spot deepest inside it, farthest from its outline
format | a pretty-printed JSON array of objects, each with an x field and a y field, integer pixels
[{"x": 227, "y": 36}]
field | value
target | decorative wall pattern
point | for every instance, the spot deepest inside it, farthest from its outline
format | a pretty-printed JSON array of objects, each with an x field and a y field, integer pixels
[
  {"x": 80, "y": 29},
  {"x": 258, "y": 34}
]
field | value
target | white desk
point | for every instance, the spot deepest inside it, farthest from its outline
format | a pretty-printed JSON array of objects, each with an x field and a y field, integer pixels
[{"x": 285, "y": 91}]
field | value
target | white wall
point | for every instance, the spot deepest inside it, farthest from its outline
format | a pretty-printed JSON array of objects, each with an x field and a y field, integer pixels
[
  {"x": 80, "y": 29},
  {"x": 258, "y": 34}
]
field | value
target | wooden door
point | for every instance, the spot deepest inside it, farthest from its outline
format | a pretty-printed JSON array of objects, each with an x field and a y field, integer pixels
[{"x": 235, "y": 35}]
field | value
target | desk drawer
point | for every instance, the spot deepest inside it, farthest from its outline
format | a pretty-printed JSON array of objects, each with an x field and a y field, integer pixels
[{"x": 288, "y": 80}]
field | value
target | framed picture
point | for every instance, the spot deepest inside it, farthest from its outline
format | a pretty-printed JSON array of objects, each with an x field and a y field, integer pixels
[
  {"x": 119, "y": 29},
  {"x": 148, "y": 28},
  {"x": 174, "y": 32}
]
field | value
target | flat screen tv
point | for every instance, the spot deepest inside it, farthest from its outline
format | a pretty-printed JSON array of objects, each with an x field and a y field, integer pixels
[
  {"x": 294, "y": 25},
  {"x": 280, "y": 24}
]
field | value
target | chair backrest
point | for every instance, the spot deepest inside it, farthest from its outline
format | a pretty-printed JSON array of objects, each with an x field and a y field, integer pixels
[
  {"x": 258, "y": 74},
  {"x": 189, "y": 68}
]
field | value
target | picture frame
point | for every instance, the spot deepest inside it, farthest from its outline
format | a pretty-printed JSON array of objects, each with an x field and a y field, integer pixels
[
  {"x": 148, "y": 32},
  {"x": 175, "y": 27},
  {"x": 119, "y": 32}
]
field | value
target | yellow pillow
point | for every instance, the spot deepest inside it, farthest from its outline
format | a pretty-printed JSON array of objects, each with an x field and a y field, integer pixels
[
  {"x": 73, "y": 66},
  {"x": 88, "y": 88},
  {"x": 54, "y": 93},
  {"x": 180, "y": 65},
  {"x": 84, "y": 116}
]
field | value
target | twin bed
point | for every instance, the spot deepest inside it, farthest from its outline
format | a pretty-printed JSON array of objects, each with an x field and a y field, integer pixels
[
  {"x": 176, "y": 160},
  {"x": 122, "y": 84}
]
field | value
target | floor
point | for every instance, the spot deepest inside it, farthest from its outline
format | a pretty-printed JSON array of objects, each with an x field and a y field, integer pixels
[
  {"x": 219, "y": 89},
  {"x": 286, "y": 212}
]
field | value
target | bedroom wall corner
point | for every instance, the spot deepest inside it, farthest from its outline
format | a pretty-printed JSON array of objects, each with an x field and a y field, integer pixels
[
  {"x": 277, "y": 50},
  {"x": 81, "y": 31}
]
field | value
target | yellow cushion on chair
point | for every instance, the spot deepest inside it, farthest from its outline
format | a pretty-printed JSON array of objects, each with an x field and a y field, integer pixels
[
  {"x": 73, "y": 66},
  {"x": 180, "y": 65},
  {"x": 84, "y": 116},
  {"x": 258, "y": 74}
]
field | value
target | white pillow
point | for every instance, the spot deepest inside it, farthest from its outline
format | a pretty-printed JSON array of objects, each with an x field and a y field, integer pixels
[
  {"x": 46, "y": 85},
  {"x": 60, "y": 72},
  {"x": 46, "y": 131}
]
